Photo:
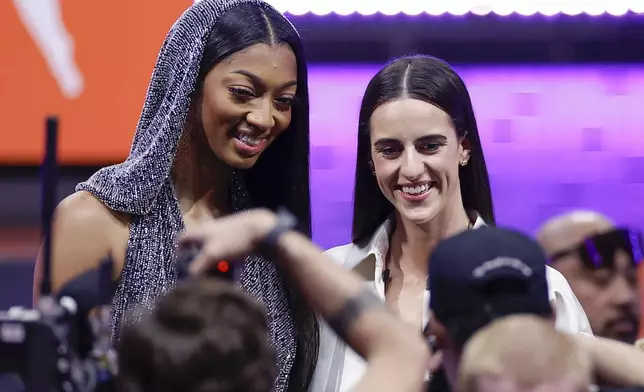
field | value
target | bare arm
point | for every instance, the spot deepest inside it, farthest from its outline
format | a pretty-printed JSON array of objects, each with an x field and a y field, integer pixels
[
  {"x": 616, "y": 362},
  {"x": 396, "y": 354},
  {"x": 83, "y": 233}
]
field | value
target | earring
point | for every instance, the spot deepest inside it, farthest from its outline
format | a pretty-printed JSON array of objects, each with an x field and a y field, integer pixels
[{"x": 463, "y": 162}]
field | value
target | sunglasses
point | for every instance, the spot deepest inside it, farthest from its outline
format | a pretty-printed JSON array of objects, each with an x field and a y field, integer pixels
[{"x": 599, "y": 250}]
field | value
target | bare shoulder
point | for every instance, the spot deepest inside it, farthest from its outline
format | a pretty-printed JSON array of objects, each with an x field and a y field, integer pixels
[
  {"x": 82, "y": 211},
  {"x": 84, "y": 232}
]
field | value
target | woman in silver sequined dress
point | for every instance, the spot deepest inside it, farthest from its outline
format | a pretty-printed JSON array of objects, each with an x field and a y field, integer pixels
[{"x": 224, "y": 128}]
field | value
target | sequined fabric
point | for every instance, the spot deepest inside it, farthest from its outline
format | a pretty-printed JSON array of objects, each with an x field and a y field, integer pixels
[{"x": 141, "y": 186}]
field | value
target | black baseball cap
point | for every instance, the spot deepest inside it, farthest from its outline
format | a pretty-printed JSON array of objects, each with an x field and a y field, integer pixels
[{"x": 484, "y": 274}]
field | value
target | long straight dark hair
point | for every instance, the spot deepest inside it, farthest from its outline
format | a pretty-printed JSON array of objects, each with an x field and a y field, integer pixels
[
  {"x": 431, "y": 80},
  {"x": 281, "y": 175}
]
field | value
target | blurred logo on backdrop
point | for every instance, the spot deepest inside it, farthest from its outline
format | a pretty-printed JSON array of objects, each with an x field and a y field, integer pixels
[
  {"x": 44, "y": 22},
  {"x": 89, "y": 63}
]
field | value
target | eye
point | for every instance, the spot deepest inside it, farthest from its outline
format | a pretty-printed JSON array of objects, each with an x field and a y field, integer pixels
[
  {"x": 602, "y": 278},
  {"x": 388, "y": 151},
  {"x": 430, "y": 147},
  {"x": 632, "y": 277},
  {"x": 241, "y": 94},
  {"x": 284, "y": 103}
]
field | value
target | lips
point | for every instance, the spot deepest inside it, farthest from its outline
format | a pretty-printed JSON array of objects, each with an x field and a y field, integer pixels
[
  {"x": 248, "y": 144},
  {"x": 248, "y": 139},
  {"x": 415, "y": 191}
]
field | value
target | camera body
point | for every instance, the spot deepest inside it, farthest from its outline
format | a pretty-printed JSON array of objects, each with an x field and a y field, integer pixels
[
  {"x": 30, "y": 348},
  {"x": 44, "y": 346},
  {"x": 224, "y": 270},
  {"x": 61, "y": 345},
  {"x": 64, "y": 344}
]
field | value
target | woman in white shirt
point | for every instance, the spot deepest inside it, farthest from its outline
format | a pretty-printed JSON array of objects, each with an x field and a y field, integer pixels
[{"x": 420, "y": 177}]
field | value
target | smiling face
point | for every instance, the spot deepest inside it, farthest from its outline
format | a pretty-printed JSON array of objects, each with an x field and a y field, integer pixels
[
  {"x": 247, "y": 102},
  {"x": 416, "y": 155}
]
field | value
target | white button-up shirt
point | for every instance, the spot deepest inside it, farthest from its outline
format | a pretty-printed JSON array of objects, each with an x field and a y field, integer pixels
[{"x": 339, "y": 368}]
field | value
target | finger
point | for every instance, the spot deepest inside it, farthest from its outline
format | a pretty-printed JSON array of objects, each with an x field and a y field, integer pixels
[
  {"x": 210, "y": 255},
  {"x": 199, "y": 264},
  {"x": 193, "y": 235},
  {"x": 435, "y": 361},
  {"x": 431, "y": 328},
  {"x": 640, "y": 344},
  {"x": 203, "y": 261}
]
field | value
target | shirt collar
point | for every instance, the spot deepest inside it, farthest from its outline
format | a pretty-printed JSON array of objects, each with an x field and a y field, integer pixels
[
  {"x": 379, "y": 243},
  {"x": 370, "y": 257}
]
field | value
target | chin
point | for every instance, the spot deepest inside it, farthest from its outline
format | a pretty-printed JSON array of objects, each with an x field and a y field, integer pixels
[
  {"x": 418, "y": 215},
  {"x": 233, "y": 158},
  {"x": 242, "y": 163}
]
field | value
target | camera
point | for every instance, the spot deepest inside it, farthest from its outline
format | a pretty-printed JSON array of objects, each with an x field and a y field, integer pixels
[
  {"x": 224, "y": 270},
  {"x": 63, "y": 344}
]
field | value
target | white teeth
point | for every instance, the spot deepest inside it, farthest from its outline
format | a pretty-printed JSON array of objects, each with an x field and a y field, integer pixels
[
  {"x": 415, "y": 190},
  {"x": 251, "y": 141}
]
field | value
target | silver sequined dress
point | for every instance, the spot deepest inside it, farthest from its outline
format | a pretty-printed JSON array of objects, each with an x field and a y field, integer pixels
[{"x": 141, "y": 187}]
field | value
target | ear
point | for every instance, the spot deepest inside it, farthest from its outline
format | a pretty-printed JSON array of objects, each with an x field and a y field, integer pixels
[
  {"x": 465, "y": 151},
  {"x": 370, "y": 163}
]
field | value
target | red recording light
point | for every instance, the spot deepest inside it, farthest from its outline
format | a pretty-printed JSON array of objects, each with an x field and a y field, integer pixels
[{"x": 223, "y": 266}]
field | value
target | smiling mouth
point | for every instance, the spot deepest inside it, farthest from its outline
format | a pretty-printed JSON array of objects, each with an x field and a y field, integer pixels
[
  {"x": 416, "y": 190},
  {"x": 249, "y": 140},
  {"x": 247, "y": 143}
]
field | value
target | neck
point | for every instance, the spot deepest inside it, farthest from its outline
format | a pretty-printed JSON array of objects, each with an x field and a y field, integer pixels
[
  {"x": 412, "y": 243},
  {"x": 201, "y": 180}
]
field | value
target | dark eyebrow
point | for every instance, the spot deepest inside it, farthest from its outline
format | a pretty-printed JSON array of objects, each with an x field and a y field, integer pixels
[
  {"x": 431, "y": 138},
  {"x": 386, "y": 141},
  {"x": 258, "y": 81},
  {"x": 423, "y": 139}
]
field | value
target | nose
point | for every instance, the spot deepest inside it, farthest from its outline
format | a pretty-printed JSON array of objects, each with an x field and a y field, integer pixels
[
  {"x": 623, "y": 292},
  {"x": 261, "y": 116},
  {"x": 412, "y": 166}
]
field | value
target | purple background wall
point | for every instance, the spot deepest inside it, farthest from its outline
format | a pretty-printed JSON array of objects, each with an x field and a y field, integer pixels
[{"x": 555, "y": 138}]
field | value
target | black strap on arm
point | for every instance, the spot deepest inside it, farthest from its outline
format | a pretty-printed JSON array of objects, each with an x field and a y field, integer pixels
[
  {"x": 285, "y": 222},
  {"x": 365, "y": 300}
]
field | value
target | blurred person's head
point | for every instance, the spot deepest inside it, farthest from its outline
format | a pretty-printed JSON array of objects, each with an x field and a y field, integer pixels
[
  {"x": 523, "y": 354},
  {"x": 479, "y": 276},
  {"x": 204, "y": 336},
  {"x": 600, "y": 263},
  {"x": 419, "y": 151}
]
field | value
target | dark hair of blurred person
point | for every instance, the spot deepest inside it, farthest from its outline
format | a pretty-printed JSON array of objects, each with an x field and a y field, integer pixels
[
  {"x": 224, "y": 127},
  {"x": 205, "y": 336}
]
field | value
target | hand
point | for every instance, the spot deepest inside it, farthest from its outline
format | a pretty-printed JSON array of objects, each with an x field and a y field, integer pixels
[
  {"x": 437, "y": 330},
  {"x": 230, "y": 237},
  {"x": 435, "y": 362},
  {"x": 640, "y": 344}
]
